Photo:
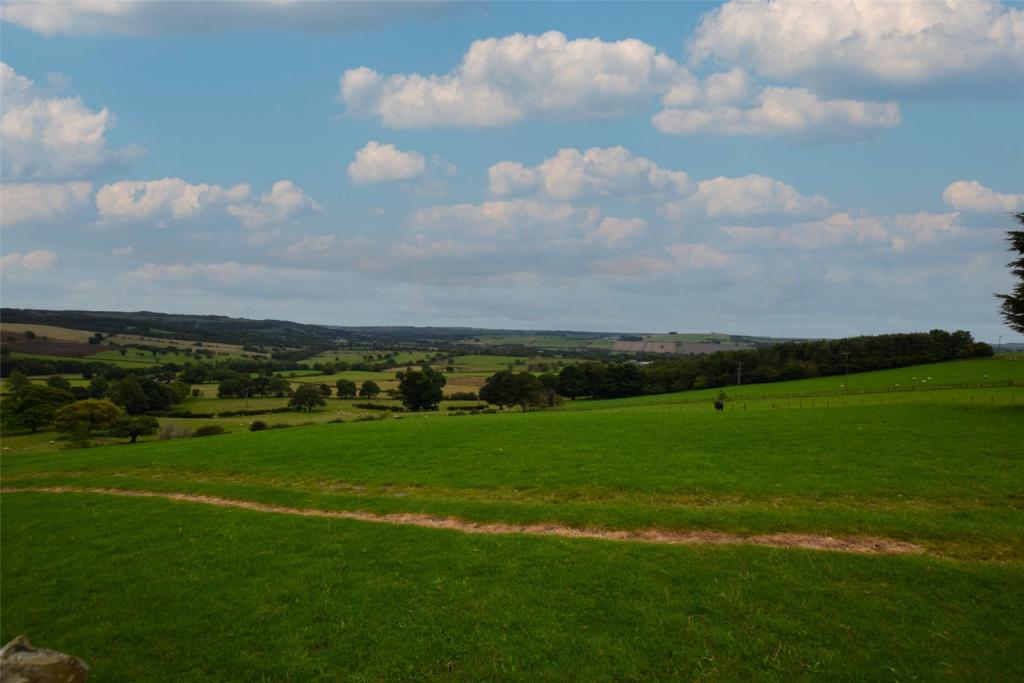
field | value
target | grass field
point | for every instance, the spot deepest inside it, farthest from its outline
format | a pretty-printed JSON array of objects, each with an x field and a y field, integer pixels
[
  {"x": 987, "y": 372},
  {"x": 301, "y": 598},
  {"x": 544, "y": 341},
  {"x": 305, "y": 599}
]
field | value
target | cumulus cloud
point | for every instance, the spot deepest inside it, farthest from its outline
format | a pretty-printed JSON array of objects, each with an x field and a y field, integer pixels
[
  {"x": 698, "y": 256},
  {"x": 171, "y": 200},
  {"x": 53, "y": 138},
  {"x": 915, "y": 44},
  {"x": 751, "y": 195},
  {"x": 512, "y": 219},
  {"x": 377, "y": 163},
  {"x": 285, "y": 202},
  {"x": 970, "y": 195},
  {"x": 42, "y": 202},
  {"x": 681, "y": 256},
  {"x": 162, "y": 200},
  {"x": 897, "y": 232},
  {"x": 504, "y": 80},
  {"x": 632, "y": 266},
  {"x": 781, "y": 111},
  {"x": 148, "y": 17},
  {"x": 223, "y": 272},
  {"x": 597, "y": 172},
  {"x": 618, "y": 231},
  {"x": 41, "y": 259}
]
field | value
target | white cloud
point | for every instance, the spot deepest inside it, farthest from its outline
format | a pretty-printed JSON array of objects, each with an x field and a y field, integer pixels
[
  {"x": 970, "y": 195},
  {"x": 127, "y": 250},
  {"x": 42, "y": 202},
  {"x": 41, "y": 259},
  {"x": 841, "y": 229},
  {"x": 377, "y": 163},
  {"x": 618, "y": 231},
  {"x": 698, "y": 256},
  {"x": 512, "y": 219},
  {"x": 750, "y": 195},
  {"x": 633, "y": 266},
  {"x": 222, "y": 272},
  {"x": 782, "y": 111},
  {"x": 161, "y": 202},
  {"x": 910, "y": 44},
  {"x": 147, "y": 17},
  {"x": 503, "y": 80},
  {"x": 52, "y": 138},
  {"x": 597, "y": 172},
  {"x": 285, "y": 202}
]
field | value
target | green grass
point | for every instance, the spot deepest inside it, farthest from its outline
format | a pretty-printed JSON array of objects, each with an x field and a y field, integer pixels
[
  {"x": 543, "y": 341},
  {"x": 357, "y": 376},
  {"x": 894, "y": 470},
  {"x": 160, "y": 591},
  {"x": 988, "y": 372},
  {"x": 156, "y": 590}
]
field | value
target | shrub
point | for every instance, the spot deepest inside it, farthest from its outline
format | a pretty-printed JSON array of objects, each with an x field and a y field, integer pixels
[
  {"x": 257, "y": 426},
  {"x": 173, "y": 431},
  {"x": 378, "y": 406},
  {"x": 209, "y": 430},
  {"x": 462, "y": 396}
]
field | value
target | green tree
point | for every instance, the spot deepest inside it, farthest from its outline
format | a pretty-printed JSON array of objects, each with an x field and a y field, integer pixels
[
  {"x": 421, "y": 389},
  {"x": 529, "y": 391},
  {"x": 135, "y": 426},
  {"x": 346, "y": 388},
  {"x": 549, "y": 381},
  {"x": 306, "y": 397},
  {"x": 572, "y": 381},
  {"x": 58, "y": 382},
  {"x": 279, "y": 386},
  {"x": 82, "y": 418},
  {"x": 500, "y": 389},
  {"x": 18, "y": 381},
  {"x": 1013, "y": 304},
  {"x": 34, "y": 406},
  {"x": 325, "y": 390},
  {"x": 369, "y": 389},
  {"x": 129, "y": 394},
  {"x": 180, "y": 389},
  {"x": 98, "y": 386},
  {"x": 29, "y": 335}
]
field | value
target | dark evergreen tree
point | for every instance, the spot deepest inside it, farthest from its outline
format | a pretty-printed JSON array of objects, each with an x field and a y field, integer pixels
[{"x": 1013, "y": 304}]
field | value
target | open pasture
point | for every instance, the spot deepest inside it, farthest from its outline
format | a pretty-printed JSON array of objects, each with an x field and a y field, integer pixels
[
  {"x": 826, "y": 470},
  {"x": 48, "y": 331},
  {"x": 924, "y": 380},
  {"x": 291, "y": 596}
]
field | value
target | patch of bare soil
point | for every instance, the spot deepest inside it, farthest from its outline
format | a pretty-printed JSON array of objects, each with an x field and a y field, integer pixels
[{"x": 856, "y": 544}]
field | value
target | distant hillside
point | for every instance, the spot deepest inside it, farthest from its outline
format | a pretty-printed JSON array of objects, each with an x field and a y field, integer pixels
[{"x": 284, "y": 333}]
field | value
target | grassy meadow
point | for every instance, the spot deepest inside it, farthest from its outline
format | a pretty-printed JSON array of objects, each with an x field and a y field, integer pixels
[{"x": 303, "y": 598}]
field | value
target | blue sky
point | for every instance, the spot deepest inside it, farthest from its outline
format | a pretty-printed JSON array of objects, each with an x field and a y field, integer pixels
[{"x": 782, "y": 168}]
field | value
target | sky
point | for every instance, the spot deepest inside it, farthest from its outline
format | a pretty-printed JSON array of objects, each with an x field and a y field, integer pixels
[{"x": 783, "y": 168}]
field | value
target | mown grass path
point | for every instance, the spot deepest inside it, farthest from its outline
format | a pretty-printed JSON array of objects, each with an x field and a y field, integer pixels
[{"x": 808, "y": 541}]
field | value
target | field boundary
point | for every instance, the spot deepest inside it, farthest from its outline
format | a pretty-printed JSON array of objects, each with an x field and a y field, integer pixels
[{"x": 864, "y": 545}]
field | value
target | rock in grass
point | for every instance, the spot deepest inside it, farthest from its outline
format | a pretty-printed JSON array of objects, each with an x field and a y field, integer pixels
[{"x": 20, "y": 662}]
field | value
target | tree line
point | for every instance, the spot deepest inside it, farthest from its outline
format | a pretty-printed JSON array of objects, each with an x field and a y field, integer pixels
[{"x": 782, "y": 362}]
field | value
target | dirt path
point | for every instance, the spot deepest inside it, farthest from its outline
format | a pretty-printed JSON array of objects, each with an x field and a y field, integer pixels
[{"x": 858, "y": 544}]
